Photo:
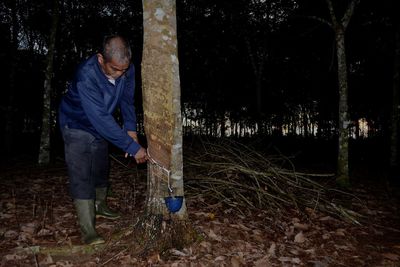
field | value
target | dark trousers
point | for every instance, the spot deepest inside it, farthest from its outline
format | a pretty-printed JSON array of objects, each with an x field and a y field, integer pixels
[{"x": 87, "y": 161}]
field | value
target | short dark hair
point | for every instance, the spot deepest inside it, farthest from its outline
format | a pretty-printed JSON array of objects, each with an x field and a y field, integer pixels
[{"x": 116, "y": 47}]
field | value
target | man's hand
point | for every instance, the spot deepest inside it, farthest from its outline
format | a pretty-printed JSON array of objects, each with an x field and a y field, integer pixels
[{"x": 141, "y": 156}]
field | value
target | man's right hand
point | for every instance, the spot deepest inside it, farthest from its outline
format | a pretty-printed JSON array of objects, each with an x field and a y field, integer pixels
[{"x": 141, "y": 156}]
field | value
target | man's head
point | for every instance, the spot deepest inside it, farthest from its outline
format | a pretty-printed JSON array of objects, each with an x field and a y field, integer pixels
[{"x": 115, "y": 56}]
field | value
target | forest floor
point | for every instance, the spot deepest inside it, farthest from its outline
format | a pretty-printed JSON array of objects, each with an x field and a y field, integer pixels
[{"x": 37, "y": 212}]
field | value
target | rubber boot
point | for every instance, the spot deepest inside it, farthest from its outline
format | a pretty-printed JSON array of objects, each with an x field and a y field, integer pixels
[
  {"x": 102, "y": 210},
  {"x": 87, "y": 220}
]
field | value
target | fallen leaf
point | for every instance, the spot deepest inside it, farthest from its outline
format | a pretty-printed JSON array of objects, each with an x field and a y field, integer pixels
[
  {"x": 391, "y": 256},
  {"x": 290, "y": 259},
  {"x": 310, "y": 251},
  {"x": 211, "y": 216},
  {"x": 325, "y": 218},
  {"x": 340, "y": 232},
  {"x": 296, "y": 260},
  {"x": 44, "y": 232},
  {"x": 300, "y": 226},
  {"x": 188, "y": 251},
  {"x": 25, "y": 237},
  {"x": 299, "y": 238},
  {"x": 294, "y": 252},
  {"x": 10, "y": 234},
  {"x": 15, "y": 256},
  {"x": 106, "y": 226},
  {"x": 235, "y": 261},
  {"x": 68, "y": 215},
  {"x": 243, "y": 227},
  {"x": 342, "y": 247},
  {"x": 272, "y": 249},
  {"x": 155, "y": 258},
  {"x": 177, "y": 253},
  {"x": 311, "y": 212},
  {"x": 89, "y": 264},
  {"x": 263, "y": 262},
  {"x": 285, "y": 259},
  {"x": 258, "y": 236},
  {"x": 319, "y": 264},
  {"x": 64, "y": 264},
  {"x": 29, "y": 228},
  {"x": 220, "y": 258},
  {"x": 326, "y": 236},
  {"x": 216, "y": 222},
  {"x": 127, "y": 260},
  {"x": 295, "y": 220},
  {"x": 46, "y": 260},
  {"x": 214, "y": 236},
  {"x": 228, "y": 210}
]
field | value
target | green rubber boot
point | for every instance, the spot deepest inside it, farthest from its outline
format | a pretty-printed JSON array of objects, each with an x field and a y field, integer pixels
[
  {"x": 87, "y": 221},
  {"x": 102, "y": 210}
]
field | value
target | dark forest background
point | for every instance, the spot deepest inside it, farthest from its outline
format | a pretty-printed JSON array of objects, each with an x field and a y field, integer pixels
[{"x": 250, "y": 69}]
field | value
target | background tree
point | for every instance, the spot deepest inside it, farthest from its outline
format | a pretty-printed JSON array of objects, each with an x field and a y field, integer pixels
[
  {"x": 14, "y": 43},
  {"x": 45, "y": 137},
  {"x": 339, "y": 28}
]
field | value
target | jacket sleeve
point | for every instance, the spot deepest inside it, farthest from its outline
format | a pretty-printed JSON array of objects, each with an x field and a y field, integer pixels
[
  {"x": 127, "y": 102},
  {"x": 104, "y": 123}
]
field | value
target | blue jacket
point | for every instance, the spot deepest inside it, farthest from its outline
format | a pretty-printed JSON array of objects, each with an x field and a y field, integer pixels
[{"x": 91, "y": 100}]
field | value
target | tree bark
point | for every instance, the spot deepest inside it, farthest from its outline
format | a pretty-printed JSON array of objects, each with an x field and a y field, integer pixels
[
  {"x": 163, "y": 123},
  {"x": 339, "y": 28},
  {"x": 10, "y": 111},
  {"x": 343, "y": 131},
  {"x": 44, "y": 149}
]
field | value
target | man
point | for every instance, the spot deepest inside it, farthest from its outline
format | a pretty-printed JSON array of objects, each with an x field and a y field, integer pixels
[{"x": 101, "y": 84}]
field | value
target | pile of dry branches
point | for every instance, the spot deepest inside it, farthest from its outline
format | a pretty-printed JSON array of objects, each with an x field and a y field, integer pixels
[{"x": 239, "y": 176}]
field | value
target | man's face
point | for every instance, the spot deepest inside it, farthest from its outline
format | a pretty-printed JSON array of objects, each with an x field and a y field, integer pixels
[{"x": 112, "y": 69}]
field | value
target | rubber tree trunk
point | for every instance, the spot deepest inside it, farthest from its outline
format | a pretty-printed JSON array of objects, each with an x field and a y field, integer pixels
[
  {"x": 10, "y": 111},
  {"x": 162, "y": 106},
  {"x": 343, "y": 131},
  {"x": 339, "y": 27},
  {"x": 44, "y": 149}
]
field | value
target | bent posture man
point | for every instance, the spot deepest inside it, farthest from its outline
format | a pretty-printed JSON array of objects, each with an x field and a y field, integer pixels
[{"x": 101, "y": 84}]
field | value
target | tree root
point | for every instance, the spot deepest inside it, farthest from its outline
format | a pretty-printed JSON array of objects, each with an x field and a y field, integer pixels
[{"x": 156, "y": 234}]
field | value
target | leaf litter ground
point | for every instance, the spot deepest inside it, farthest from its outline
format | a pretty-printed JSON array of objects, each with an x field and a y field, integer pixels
[{"x": 37, "y": 212}]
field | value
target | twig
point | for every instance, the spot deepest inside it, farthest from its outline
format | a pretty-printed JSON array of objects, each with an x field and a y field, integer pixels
[
  {"x": 117, "y": 160},
  {"x": 116, "y": 255}
]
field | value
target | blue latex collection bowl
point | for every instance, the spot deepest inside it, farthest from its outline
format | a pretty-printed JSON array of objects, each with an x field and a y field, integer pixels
[{"x": 174, "y": 204}]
